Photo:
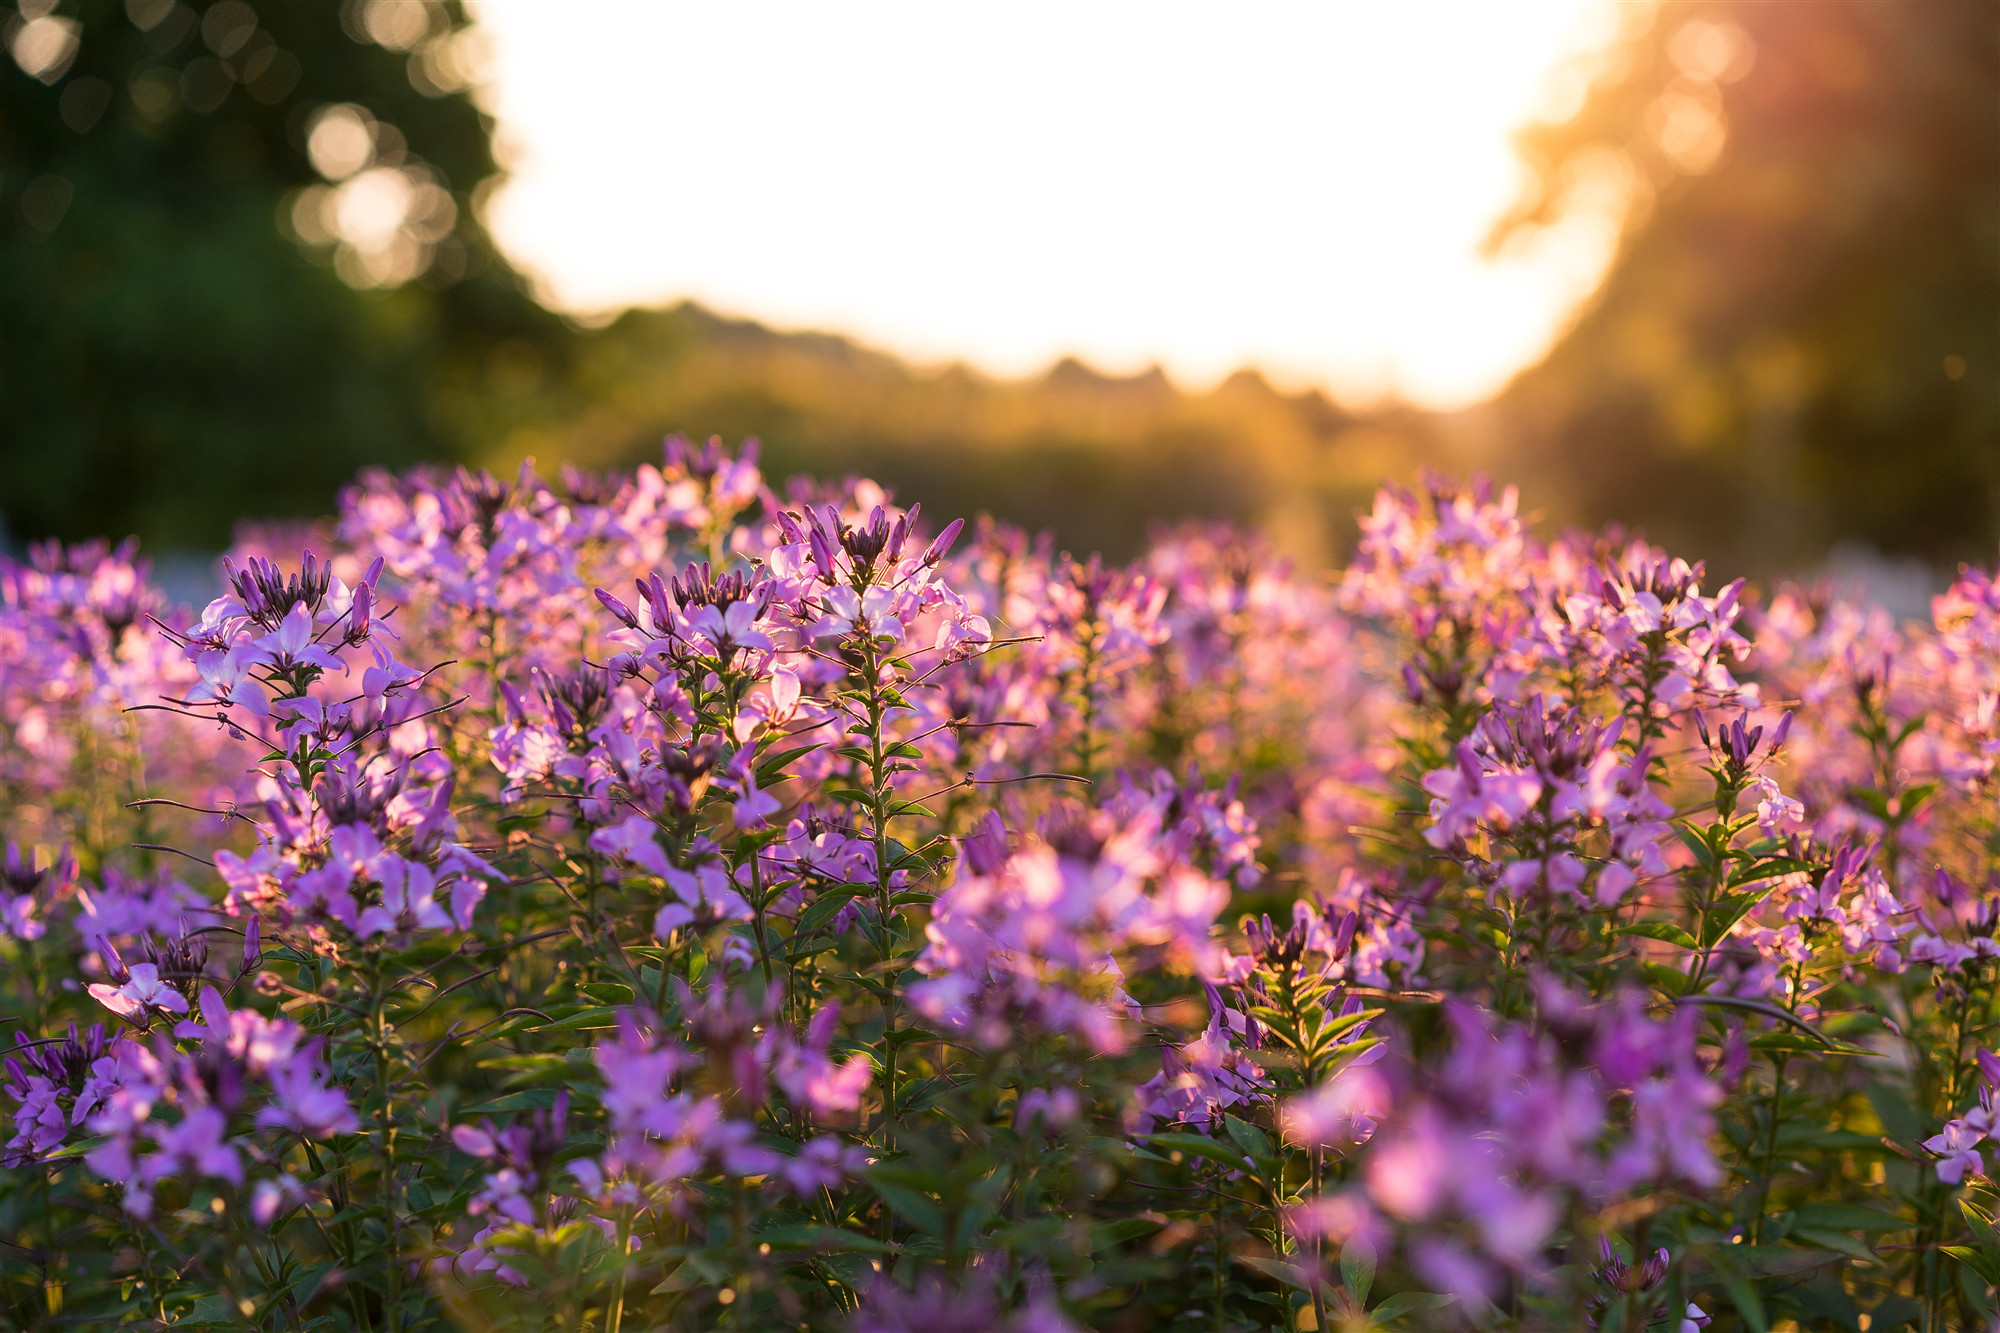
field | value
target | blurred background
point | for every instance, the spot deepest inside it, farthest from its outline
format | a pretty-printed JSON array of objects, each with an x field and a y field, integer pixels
[{"x": 1727, "y": 272}]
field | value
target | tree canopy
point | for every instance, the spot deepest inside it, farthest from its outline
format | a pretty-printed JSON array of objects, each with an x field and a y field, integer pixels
[
  {"x": 238, "y": 257},
  {"x": 1799, "y": 343}
]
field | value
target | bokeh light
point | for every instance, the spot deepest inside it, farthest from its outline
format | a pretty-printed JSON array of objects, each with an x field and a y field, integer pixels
[{"x": 383, "y": 213}]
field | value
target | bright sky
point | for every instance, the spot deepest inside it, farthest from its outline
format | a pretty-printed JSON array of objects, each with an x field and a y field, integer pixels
[{"x": 1299, "y": 187}]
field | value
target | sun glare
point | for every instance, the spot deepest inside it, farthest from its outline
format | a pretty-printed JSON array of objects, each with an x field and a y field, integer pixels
[{"x": 1301, "y": 188}]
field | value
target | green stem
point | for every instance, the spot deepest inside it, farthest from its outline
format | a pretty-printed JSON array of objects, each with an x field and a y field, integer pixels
[
  {"x": 618, "y": 1293},
  {"x": 386, "y": 1157},
  {"x": 878, "y": 783}
]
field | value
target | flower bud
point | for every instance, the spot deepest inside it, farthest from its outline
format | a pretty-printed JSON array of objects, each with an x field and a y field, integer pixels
[
  {"x": 942, "y": 543},
  {"x": 618, "y": 608}
]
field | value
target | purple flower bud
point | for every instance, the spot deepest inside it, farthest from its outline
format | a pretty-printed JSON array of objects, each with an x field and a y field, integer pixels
[
  {"x": 1343, "y": 936},
  {"x": 1946, "y": 888},
  {"x": 1784, "y": 730},
  {"x": 252, "y": 941},
  {"x": 654, "y": 590},
  {"x": 357, "y": 618},
  {"x": 822, "y": 555},
  {"x": 618, "y": 608},
  {"x": 1413, "y": 684},
  {"x": 942, "y": 543}
]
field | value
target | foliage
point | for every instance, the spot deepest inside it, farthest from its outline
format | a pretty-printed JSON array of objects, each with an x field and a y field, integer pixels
[
  {"x": 1795, "y": 345},
  {"x": 173, "y": 358},
  {"x": 694, "y": 905}
]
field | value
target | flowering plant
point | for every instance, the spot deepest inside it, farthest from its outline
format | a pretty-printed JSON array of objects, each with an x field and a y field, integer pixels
[{"x": 698, "y": 905}]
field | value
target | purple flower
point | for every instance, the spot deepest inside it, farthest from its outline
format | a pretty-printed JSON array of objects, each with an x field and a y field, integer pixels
[
  {"x": 302, "y": 1103},
  {"x": 198, "y": 1145},
  {"x": 292, "y": 644},
  {"x": 811, "y": 1079},
  {"x": 142, "y": 990},
  {"x": 872, "y": 612},
  {"x": 823, "y": 1163},
  {"x": 632, "y": 841}
]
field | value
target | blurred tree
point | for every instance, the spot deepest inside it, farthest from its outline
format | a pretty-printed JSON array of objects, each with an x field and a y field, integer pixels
[
  {"x": 1799, "y": 342},
  {"x": 238, "y": 257}
]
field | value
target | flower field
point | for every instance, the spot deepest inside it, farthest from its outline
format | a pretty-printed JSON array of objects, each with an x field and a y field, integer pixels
[{"x": 671, "y": 901}]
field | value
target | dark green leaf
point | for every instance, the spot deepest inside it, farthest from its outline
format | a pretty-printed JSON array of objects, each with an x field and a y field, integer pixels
[
  {"x": 1661, "y": 930},
  {"x": 1409, "y": 1303},
  {"x": 1357, "y": 1269},
  {"x": 1195, "y": 1145},
  {"x": 1289, "y": 1274},
  {"x": 824, "y": 909}
]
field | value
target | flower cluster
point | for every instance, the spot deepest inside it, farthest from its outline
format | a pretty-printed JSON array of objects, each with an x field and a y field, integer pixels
[{"x": 667, "y": 899}]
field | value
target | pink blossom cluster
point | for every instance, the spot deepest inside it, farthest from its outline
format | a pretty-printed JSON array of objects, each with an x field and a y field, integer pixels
[
  {"x": 704, "y": 903},
  {"x": 1592, "y": 1102}
]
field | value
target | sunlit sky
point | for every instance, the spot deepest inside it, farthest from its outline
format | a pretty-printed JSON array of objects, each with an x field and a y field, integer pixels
[{"x": 1298, "y": 187}]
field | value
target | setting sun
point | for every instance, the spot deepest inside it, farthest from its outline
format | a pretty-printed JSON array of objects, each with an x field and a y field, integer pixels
[{"x": 1302, "y": 188}]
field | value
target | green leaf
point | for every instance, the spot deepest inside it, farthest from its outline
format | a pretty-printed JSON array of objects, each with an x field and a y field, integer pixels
[
  {"x": 207, "y": 1312},
  {"x": 1336, "y": 1027},
  {"x": 1906, "y": 1125},
  {"x": 774, "y": 763},
  {"x": 1727, "y": 911},
  {"x": 538, "y": 1062},
  {"x": 1982, "y": 1226},
  {"x": 854, "y": 1270},
  {"x": 1289, "y": 1274},
  {"x": 534, "y": 1099},
  {"x": 1760, "y": 868},
  {"x": 1251, "y": 1139},
  {"x": 598, "y": 1016},
  {"x": 79, "y": 1148},
  {"x": 822, "y": 1239},
  {"x": 1838, "y": 1241},
  {"x": 1409, "y": 1303},
  {"x": 1357, "y": 1269},
  {"x": 1667, "y": 979},
  {"x": 1846, "y": 1217},
  {"x": 911, "y": 1205},
  {"x": 824, "y": 909},
  {"x": 1106, "y": 1235},
  {"x": 1661, "y": 930},
  {"x": 1696, "y": 842},
  {"x": 1986, "y": 1265},
  {"x": 1744, "y": 1297},
  {"x": 1198, "y": 1146}
]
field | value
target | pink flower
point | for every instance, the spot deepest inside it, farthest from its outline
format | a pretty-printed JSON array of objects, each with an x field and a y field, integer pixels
[
  {"x": 813, "y": 1080},
  {"x": 873, "y": 612},
  {"x": 302, "y": 1103},
  {"x": 1343, "y": 1111},
  {"x": 292, "y": 644},
  {"x": 142, "y": 990},
  {"x": 632, "y": 841},
  {"x": 1958, "y": 1152}
]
